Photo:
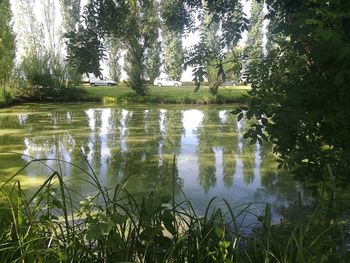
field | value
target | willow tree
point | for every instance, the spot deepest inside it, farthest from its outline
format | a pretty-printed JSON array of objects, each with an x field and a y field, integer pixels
[{"x": 7, "y": 43}]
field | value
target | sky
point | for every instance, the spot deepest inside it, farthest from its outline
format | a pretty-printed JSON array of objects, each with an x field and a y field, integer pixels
[{"x": 18, "y": 20}]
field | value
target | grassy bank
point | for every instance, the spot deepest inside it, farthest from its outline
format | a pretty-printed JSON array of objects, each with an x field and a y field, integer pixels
[
  {"x": 17, "y": 95},
  {"x": 156, "y": 94},
  {"x": 124, "y": 94},
  {"x": 111, "y": 225}
]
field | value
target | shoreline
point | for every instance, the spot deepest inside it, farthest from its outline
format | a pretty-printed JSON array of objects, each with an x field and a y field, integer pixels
[{"x": 122, "y": 94}]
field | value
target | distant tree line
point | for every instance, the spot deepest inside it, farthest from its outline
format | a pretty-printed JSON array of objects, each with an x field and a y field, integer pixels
[{"x": 133, "y": 32}]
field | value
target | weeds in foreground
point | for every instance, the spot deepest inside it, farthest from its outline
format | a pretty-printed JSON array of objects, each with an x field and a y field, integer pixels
[{"x": 112, "y": 225}]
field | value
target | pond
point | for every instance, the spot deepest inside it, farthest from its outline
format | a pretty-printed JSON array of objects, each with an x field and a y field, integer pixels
[{"x": 135, "y": 145}]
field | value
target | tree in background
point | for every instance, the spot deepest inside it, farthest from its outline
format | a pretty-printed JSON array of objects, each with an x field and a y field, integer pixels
[
  {"x": 44, "y": 75},
  {"x": 173, "y": 53},
  {"x": 29, "y": 32},
  {"x": 254, "y": 50},
  {"x": 209, "y": 31},
  {"x": 114, "y": 49},
  {"x": 153, "y": 62},
  {"x": 141, "y": 36},
  {"x": 219, "y": 64},
  {"x": 270, "y": 37},
  {"x": 53, "y": 38},
  {"x": 134, "y": 68},
  {"x": 273, "y": 35},
  {"x": 70, "y": 13},
  {"x": 134, "y": 23},
  {"x": 70, "y": 10},
  {"x": 229, "y": 15},
  {"x": 7, "y": 43},
  {"x": 233, "y": 63},
  {"x": 42, "y": 71},
  {"x": 85, "y": 51}
]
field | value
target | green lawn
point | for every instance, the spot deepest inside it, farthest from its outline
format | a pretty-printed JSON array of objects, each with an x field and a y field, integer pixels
[{"x": 157, "y": 94}]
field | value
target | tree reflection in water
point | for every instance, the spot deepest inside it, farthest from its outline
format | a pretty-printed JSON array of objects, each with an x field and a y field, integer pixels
[{"x": 135, "y": 145}]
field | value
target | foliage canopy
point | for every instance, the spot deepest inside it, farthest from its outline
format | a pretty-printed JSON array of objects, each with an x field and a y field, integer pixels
[
  {"x": 134, "y": 23},
  {"x": 7, "y": 42},
  {"x": 300, "y": 92}
]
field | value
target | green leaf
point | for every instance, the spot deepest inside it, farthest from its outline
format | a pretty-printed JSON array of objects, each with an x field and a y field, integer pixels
[
  {"x": 118, "y": 218},
  {"x": 219, "y": 231},
  {"x": 246, "y": 135},
  {"x": 264, "y": 121},
  {"x": 264, "y": 137},
  {"x": 165, "y": 242},
  {"x": 95, "y": 232},
  {"x": 253, "y": 141},
  {"x": 312, "y": 22},
  {"x": 170, "y": 227},
  {"x": 250, "y": 114},
  {"x": 108, "y": 226},
  {"x": 62, "y": 256},
  {"x": 168, "y": 220},
  {"x": 56, "y": 203},
  {"x": 339, "y": 78},
  {"x": 236, "y": 111}
]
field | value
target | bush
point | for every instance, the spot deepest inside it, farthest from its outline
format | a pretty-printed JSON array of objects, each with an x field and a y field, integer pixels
[
  {"x": 8, "y": 92},
  {"x": 46, "y": 76}
]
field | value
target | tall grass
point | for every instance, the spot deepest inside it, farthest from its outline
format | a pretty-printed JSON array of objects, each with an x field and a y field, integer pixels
[{"x": 112, "y": 225}]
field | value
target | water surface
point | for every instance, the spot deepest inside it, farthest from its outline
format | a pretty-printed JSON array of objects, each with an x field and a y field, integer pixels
[{"x": 135, "y": 145}]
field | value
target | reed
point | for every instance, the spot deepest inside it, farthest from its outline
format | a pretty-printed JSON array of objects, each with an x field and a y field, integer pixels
[{"x": 112, "y": 225}]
